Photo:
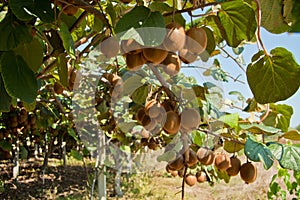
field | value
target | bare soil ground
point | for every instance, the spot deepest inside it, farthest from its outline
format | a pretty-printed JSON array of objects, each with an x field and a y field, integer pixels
[{"x": 72, "y": 182}]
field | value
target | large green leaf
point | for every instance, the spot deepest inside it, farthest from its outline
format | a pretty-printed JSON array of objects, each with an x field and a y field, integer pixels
[
  {"x": 26, "y": 9},
  {"x": 32, "y": 53},
  {"x": 296, "y": 17},
  {"x": 232, "y": 146},
  {"x": 149, "y": 25},
  {"x": 256, "y": 152},
  {"x": 259, "y": 128},
  {"x": 273, "y": 15},
  {"x": 230, "y": 119},
  {"x": 67, "y": 39},
  {"x": 19, "y": 79},
  {"x": 237, "y": 22},
  {"x": 287, "y": 155},
  {"x": 12, "y": 33},
  {"x": 279, "y": 116},
  {"x": 274, "y": 77},
  {"x": 5, "y": 99},
  {"x": 63, "y": 69},
  {"x": 292, "y": 135}
]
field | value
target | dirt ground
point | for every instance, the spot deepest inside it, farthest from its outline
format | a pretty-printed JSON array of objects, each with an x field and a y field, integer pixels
[{"x": 72, "y": 182}]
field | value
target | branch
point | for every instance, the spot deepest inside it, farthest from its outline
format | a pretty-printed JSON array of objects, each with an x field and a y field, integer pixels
[
  {"x": 234, "y": 59},
  {"x": 191, "y": 8},
  {"x": 183, "y": 182},
  {"x": 78, "y": 21},
  {"x": 268, "y": 110}
]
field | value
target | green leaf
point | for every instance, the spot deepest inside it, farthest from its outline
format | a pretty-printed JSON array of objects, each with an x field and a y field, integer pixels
[
  {"x": 73, "y": 134},
  {"x": 275, "y": 77},
  {"x": 272, "y": 15},
  {"x": 63, "y": 69},
  {"x": 167, "y": 156},
  {"x": 292, "y": 135},
  {"x": 232, "y": 147},
  {"x": 6, "y": 146},
  {"x": 238, "y": 22},
  {"x": 19, "y": 79},
  {"x": 76, "y": 154},
  {"x": 258, "y": 152},
  {"x": 211, "y": 44},
  {"x": 132, "y": 83},
  {"x": 67, "y": 39},
  {"x": 295, "y": 13},
  {"x": 26, "y": 9},
  {"x": 149, "y": 25},
  {"x": 287, "y": 155},
  {"x": 231, "y": 119},
  {"x": 198, "y": 137},
  {"x": 279, "y": 116},
  {"x": 23, "y": 153},
  {"x": 12, "y": 33},
  {"x": 5, "y": 99},
  {"x": 140, "y": 94},
  {"x": 259, "y": 128},
  {"x": 32, "y": 53}
]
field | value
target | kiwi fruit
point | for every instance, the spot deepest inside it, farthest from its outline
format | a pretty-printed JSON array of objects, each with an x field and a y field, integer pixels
[
  {"x": 135, "y": 61},
  {"x": 192, "y": 158},
  {"x": 152, "y": 144},
  {"x": 172, "y": 64},
  {"x": 172, "y": 123},
  {"x": 186, "y": 56},
  {"x": 196, "y": 40},
  {"x": 190, "y": 179},
  {"x": 174, "y": 173},
  {"x": 169, "y": 105},
  {"x": 70, "y": 10},
  {"x": 58, "y": 88},
  {"x": 130, "y": 46},
  {"x": 201, "y": 176},
  {"x": 154, "y": 55},
  {"x": 140, "y": 115},
  {"x": 153, "y": 108},
  {"x": 175, "y": 38},
  {"x": 248, "y": 172},
  {"x": 190, "y": 118},
  {"x": 205, "y": 156},
  {"x": 222, "y": 162},
  {"x": 235, "y": 166},
  {"x": 110, "y": 47},
  {"x": 177, "y": 164}
]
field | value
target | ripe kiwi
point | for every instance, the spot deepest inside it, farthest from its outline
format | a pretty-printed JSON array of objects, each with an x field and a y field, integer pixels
[
  {"x": 192, "y": 158},
  {"x": 140, "y": 115},
  {"x": 235, "y": 166},
  {"x": 190, "y": 118},
  {"x": 169, "y": 105},
  {"x": 186, "y": 56},
  {"x": 172, "y": 64},
  {"x": 58, "y": 88},
  {"x": 222, "y": 162},
  {"x": 201, "y": 176},
  {"x": 70, "y": 10},
  {"x": 248, "y": 172},
  {"x": 130, "y": 46},
  {"x": 177, "y": 164},
  {"x": 196, "y": 41},
  {"x": 205, "y": 156},
  {"x": 110, "y": 47},
  {"x": 135, "y": 61},
  {"x": 174, "y": 173},
  {"x": 154, "y": 55},
  {"x": 175, "y": 38},
  {"x": 153, "y": 108},
  {"x": 190, "y": 179},
  {"x": 172, "y": 123}
]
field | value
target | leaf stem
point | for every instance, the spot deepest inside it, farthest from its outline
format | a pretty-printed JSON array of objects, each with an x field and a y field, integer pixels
[{"x": 233, "y": 58}]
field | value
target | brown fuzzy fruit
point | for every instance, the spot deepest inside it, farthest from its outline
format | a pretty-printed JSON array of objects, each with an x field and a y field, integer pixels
[
  {"x": 205, "y": 156},
  {"x": 248, "y": 172},
  {"x": 192, "y": 158},
  {"x": 190, "y": 179},
  {"x": 177, "y": 164},
  {"x": 130, "y": 46},
  {"x": 70, "y": 10},
  {"x": 201, "y": 176},
  {"x": 153, "y": 108},
  {"x": 235, "y": 166},
  {"x": 186, "y": 56},
  {"x": 140, "y": 115},
  {"x": 222, "y": 162},
  {"x": 175, "y": 38},
  {"x": 110, "y": 47},
  {"x": 172, "y": 123},
  {"x": 190, "y": 118},
  {"x": 172, "y": 64},
  {"x": 135, "y": 61},
  {"x": 154, "y": 55},
  {"x": 58, "y": 88},
  {"x": 196, "y": 41}
]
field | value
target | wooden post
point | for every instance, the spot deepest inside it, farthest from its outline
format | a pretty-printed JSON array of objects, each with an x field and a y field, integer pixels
[{"x": 102, "y": 177}]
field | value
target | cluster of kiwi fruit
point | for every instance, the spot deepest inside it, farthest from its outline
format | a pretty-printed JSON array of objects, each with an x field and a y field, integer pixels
[
  {"x": 67, "y": 8},
  {"x": 204, "y": 156},
  {"x": 178, "y": 46}
]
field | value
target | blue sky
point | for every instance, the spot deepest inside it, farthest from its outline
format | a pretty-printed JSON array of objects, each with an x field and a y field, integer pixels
[{"x": 289, "y": 41}]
